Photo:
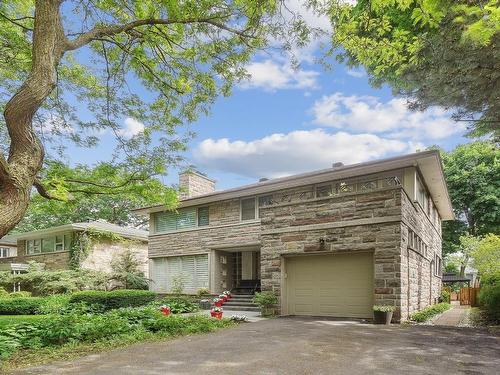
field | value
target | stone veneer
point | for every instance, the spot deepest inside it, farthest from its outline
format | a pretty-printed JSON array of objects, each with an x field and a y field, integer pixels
[
  {"x": 193, "y": 183},
  {"x": 296, "y": 223},
  {"x": 99, "y": 258}
]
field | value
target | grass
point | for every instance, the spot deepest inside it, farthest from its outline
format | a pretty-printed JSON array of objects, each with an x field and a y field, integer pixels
[
  {"x": 72, "y": 350},
  {"x": 6, "y": 320}
]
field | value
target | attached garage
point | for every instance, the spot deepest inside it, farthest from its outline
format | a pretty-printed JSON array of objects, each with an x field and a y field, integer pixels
[{"x": 330, "y": 285}]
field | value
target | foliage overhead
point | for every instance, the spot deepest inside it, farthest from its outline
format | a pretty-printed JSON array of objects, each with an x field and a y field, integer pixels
[
  {"x": 434, "y": 52},
  {"x": 486, "y": 256},
  {"x": 98, "y": 64}
]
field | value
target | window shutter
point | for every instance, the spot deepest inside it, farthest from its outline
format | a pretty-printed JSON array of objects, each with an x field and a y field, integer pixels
[
  {"x": 202, "y": 271},
  {"x": 165, "y": 221},
  {"x": 203, "y": 218},
  {"x": 186, "y": 218},
  {"x": 159, "y": 275},
  {"x": 188, "y": 273}
]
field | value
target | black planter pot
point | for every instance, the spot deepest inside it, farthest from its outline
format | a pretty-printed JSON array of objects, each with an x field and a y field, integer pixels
[{"x": 382, "y": 317}]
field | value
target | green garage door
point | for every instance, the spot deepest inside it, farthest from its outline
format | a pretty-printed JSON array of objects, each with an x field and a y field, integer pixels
[{"x": 330, "y": 285}]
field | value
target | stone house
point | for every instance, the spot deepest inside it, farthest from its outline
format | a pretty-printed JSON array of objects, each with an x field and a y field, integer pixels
[
  {"x": 99, "y": 243},
  {"x": 8, "y": 247},
  {"x": 332, "y": 242}
]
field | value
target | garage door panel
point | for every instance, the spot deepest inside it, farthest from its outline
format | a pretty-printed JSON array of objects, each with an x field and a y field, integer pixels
[{"x": 330, "y": 285}]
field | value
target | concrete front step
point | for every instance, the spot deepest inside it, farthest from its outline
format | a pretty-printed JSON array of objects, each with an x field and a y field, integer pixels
[
  {"x": 239, "y": 303},
  {"x": 240, "y": 308}
]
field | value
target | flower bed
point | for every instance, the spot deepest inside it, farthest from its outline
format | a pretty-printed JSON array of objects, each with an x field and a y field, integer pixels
[{"x": 429, "y": 312}]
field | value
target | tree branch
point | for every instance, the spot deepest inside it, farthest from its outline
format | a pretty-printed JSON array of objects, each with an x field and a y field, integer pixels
[
  {"x": 14, "y": 21},
  {"x": 110, "y": 30},
  {"x": 43, "y": 191}
]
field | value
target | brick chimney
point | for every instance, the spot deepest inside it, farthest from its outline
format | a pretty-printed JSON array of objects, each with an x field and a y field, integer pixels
[{"x": 193, "y": 183}]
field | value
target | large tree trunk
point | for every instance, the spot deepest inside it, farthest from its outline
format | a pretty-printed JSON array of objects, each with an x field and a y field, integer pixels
[{"x": 19, "y": 171}]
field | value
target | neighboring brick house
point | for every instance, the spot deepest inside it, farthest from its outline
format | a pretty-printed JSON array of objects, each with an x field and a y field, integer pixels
[
  {"x": 52, "y": 246},
  {"x": 8, "y": 247},
  {"x": 329, "y": 243}
]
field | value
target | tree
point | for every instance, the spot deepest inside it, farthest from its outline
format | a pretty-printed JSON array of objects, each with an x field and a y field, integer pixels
[
  {"x": 438, "y": 52},
  {"x": 487, "y": 255},
  {"x": 71, "y": 71},
  {"x": 472, "y": 173}
]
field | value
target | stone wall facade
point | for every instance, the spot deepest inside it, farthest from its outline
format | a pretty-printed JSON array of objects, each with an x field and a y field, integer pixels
[{"x": 52, "y": 261}]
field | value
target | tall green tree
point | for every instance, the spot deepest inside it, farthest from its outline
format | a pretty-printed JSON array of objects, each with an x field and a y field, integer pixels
[
  {"x": 472, "y": 173},
  {"x": 433, "y": 52},
  {"x": 69, "y": 72}
]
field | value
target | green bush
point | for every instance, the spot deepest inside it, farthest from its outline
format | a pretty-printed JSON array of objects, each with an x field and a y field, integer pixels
[
  {"x": 55, "y": 304},
  {"x": 20, "y": 294},
  {"x": 3, "y": 293},
  {"x": 114, "y": 299},
  {"x": 20, "y": 306},
  {"x": 265, "y": 299},
  {"x": 179, "y": 305},
  {"x": 384, "y": 308},
  {"x": 429, "y": 312},
  {"x": 489, "y": 299},
  {"x": 445, "y": 296}
]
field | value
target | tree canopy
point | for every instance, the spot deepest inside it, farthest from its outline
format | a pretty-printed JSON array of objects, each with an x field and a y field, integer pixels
[
  {"x": 73, "y": 71},
  {"x": 472, "y": 173},
  {"x": 434, "y": 52}
]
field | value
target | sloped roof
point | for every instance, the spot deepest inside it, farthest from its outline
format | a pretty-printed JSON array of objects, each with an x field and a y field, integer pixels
[
  {"x": 8, "y": 240},
  {"x": 101, "y": 225},
  {"x": 428, "y": 163}
]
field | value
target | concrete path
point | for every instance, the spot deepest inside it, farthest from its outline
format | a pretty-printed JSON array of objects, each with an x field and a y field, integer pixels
[
  {"x": 304, "y": 346},
  {"x": 452, "y": 317}
]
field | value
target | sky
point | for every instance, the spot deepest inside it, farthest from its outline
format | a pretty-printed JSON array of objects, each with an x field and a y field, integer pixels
[{"x": 284, "y": 121}]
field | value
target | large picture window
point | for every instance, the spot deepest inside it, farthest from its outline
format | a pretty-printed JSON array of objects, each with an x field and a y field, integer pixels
[
  {"x": 184, "y": 218},
  {"x": 49, "y": 244}
]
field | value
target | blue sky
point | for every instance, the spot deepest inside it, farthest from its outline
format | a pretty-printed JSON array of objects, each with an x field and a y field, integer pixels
[{"x": 284, "y": 121}]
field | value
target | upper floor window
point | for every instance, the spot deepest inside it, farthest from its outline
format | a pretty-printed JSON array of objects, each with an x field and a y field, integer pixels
[
  {"x": 48, "y": 244},
  {"x": 4, "y": 252},
  {"x": 248, "y": 209},
  {"x": 203, "y": 216}
]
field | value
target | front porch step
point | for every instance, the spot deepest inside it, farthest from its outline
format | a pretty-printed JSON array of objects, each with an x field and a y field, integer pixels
[
  {"x": 227, "y": 307},
  {"x": 239, "y": 303}
]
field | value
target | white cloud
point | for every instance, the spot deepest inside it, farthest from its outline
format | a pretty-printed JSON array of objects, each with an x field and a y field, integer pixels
[
  {"x": 271, "y": 76},
  {"x": 298, "y": 151},
  {"x": 393, "y": 118},
  {"x": 356, "y": 73},
  {"x": 132, "y": 128}
]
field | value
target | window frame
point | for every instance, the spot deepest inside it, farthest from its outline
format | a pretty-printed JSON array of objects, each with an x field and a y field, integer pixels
[
  {"x": 4, "y": 250},
  {"x": 256, "y": 208},
  {"x": 34, "y": 246},
  {"x": 198, "y": 216}
]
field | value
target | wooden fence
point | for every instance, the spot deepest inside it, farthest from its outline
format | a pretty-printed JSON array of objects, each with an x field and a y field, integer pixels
[{"x": 469, "y": 296}]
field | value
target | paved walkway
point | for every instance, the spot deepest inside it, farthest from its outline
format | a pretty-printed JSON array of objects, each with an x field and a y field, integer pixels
[
  {"x": 452, "y": 317},
  {"x": 300, "y": 346}
]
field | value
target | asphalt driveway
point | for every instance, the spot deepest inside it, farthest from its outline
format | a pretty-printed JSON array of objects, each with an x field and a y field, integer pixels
[{"x": 302, "y": 346}]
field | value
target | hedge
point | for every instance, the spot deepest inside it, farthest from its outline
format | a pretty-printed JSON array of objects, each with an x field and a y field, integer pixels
[
  {"x": 114, "y": 299},
  {"x": 429, "y": 312},
  {"x": 20, "y": 305},
  {"x": 489, "y": 299}
]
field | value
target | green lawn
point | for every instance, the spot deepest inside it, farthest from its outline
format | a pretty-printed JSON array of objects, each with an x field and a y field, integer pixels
[{"x": 6, "y": 320}]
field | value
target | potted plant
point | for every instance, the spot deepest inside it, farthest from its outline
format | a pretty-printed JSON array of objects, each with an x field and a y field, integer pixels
[
  {"x": 383, "y": 314},
  {"x": 165, "y": 310},
  {"x": 216, "y": 312},
  {"x": 218, "y": 302},
  {"x": 223, "y": 297},
  {"x": 266, "y": 302}
]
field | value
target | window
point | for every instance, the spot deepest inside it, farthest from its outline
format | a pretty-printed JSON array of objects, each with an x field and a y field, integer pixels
[
  {"x": 170, "y": 221},
  {"x": 248, "y": 209},
  {"x": 191, "y": 269},
  {"x": 265, "y": 200},
  {"x": 437, "y": 265},
  {"x": 48, "y": 244},
  {"x": 324, "y": 191},
  {"x": 4, "y": 252},
  {"x": 203, "y": 216}
]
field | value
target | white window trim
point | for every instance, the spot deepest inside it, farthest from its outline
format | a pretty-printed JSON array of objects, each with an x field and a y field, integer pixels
[{"x": 41, "y": 240}]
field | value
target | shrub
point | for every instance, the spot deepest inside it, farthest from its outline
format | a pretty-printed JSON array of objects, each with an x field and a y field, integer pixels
[
  {"x": 114, "y": 299},
  {"x": 20, "y": 294},
  {"x": 489, "y": 298},
  {"x": 429, "y": 312},
  {"x": 265, "y": 299},
  {"x": 3, "y": 293},
  {"x": 445, "y": 296},
  {"x": 126, "y": 270},
  {"x": 55, "y": 304},
  {"x": 20, "y": 306},
  {"x": 176, "y": 325},
  {"x": 179, "y": 305},
  {"x": 202, "y": 292},
  {"x": 383, "y": 308}
]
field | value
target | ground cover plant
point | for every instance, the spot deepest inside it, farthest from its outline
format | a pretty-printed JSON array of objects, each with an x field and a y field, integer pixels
[{"x": 429, "y": 312}]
